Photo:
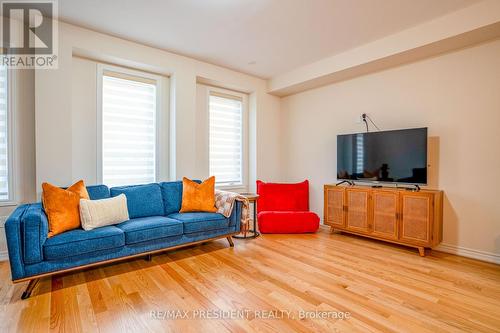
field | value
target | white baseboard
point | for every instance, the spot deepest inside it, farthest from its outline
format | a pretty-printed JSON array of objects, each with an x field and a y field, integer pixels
[
  {"x": 469, "y": 253},
  {"x": 4, "y": 255}
]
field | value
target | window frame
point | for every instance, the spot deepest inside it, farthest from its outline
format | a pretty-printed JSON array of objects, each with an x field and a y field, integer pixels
[
  {"x": 245, "y": 128},
  {"x": 125, "y": 73},
  {"x": 11, "y": 123}
]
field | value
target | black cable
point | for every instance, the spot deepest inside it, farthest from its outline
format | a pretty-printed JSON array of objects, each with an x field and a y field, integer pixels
[
  {"x": 371, "y": 121},
  {"x": 366, "y": 123}
]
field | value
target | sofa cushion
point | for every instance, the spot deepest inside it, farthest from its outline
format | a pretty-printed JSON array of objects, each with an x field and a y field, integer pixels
[
  {"x": 142, "y": 200},
  {"x": 171, "y": 193},
  {"x": 287, "y": 222},
  {"x": 79, "y": 241},
  {"x": 97, "y": 192},
  {"x": 200, "y": 221},
  {"x": 148, "y": 228}
]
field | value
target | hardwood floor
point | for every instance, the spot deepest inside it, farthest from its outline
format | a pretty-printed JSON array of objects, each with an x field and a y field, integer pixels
[{"x": 384, "y": 287}]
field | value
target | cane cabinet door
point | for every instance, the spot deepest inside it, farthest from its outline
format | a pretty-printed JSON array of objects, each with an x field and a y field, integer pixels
[
  {"x": 358, "y": 210},
  {"x": 416, "y": 217},
  {"x": 335, "y": 206},
  {"x": 385, "y": 214}
]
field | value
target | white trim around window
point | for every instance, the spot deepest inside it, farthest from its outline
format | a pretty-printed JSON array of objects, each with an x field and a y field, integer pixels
[
  {"x": 10, "y": 127},
  {"x": 140, "y": 77},
  {"x": 225, "y": 93}
]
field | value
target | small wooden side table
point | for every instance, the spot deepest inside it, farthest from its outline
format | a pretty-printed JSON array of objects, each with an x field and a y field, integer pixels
[{"x": 252, "y": 199}]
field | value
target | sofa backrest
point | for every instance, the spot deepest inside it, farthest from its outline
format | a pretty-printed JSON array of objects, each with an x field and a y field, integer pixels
[
  {"x": 142, "y": 200},
  {"x": 97, "y": 192},
  {"x": 171, "y": 193},
  {"x": 283, "y": 197},
  {"x": 172, "y": 196},
  {"x": 155, "y": 199}
]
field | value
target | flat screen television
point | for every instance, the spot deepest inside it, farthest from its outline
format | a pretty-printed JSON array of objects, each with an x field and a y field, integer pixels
[{"x": 398, "y": 156}]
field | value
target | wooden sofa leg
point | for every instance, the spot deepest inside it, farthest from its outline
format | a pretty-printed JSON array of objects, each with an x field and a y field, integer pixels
[
  {"x": 149, "y": 257},
  {"x": 230, "y": 240},
  {"x": 29, "y": 288}
]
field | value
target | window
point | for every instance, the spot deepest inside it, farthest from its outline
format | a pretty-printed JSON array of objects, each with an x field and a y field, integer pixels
[
  {"x": 5, "y": 193},
  {"x": 226, "y": 138},
  {"x": 129, "y": 117}
]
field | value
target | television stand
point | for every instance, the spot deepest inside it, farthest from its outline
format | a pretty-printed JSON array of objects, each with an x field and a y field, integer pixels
[
  {"x": 411, "y": 218},
  {"x": 351, "y": 183}
]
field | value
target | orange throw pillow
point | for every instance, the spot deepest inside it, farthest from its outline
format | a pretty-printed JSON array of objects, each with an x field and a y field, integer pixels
[
  {"x": 62, "y": 206},
  {"x": 198, "y": 197},
  {"x": 80, "y": 189}
]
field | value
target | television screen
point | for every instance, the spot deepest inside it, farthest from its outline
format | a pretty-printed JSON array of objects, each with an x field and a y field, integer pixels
[{"x": 398, "y": 156}]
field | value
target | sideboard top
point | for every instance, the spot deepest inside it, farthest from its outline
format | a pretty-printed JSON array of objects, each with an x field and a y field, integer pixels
[{"x": 383, "y": 188}]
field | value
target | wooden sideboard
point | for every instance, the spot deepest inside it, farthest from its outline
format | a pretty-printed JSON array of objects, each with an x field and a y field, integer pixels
[{"x": 412, "y": 218}]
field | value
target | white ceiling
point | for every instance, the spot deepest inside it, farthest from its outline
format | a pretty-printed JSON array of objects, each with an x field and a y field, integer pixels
[{"x": 259, "y": 37}]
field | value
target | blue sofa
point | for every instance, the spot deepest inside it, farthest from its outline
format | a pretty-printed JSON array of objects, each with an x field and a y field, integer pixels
[{"x": 155, "y": 225}]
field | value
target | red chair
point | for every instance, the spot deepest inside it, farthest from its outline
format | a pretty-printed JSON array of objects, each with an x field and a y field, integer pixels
[{"x": 284, "y": 208}]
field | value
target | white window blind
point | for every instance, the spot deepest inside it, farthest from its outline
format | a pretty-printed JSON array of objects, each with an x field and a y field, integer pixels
[
  {"x": 128, "y": 131},
  {"x": 4, "y": 135},
  {"x": 226, "y": 139}
]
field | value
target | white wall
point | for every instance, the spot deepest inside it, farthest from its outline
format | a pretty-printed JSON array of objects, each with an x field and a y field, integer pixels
[
  {"x": 456, "y": 95},
  {"x": 65, "y": 108},
  {"x": 83, "y": 120}
]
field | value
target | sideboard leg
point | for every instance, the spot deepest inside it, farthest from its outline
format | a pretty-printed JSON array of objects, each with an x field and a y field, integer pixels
[
  {"x": 230, "y": 240},
  {"x": 421, "y": 251},
  {"x": 29, "y": 288}
]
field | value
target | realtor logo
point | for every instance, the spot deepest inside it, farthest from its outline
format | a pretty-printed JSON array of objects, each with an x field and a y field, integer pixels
[{"x": 29, "y": 34}]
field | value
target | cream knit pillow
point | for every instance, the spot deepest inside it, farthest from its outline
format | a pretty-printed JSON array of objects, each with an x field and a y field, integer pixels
[{"x": 99, "y": 213}]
